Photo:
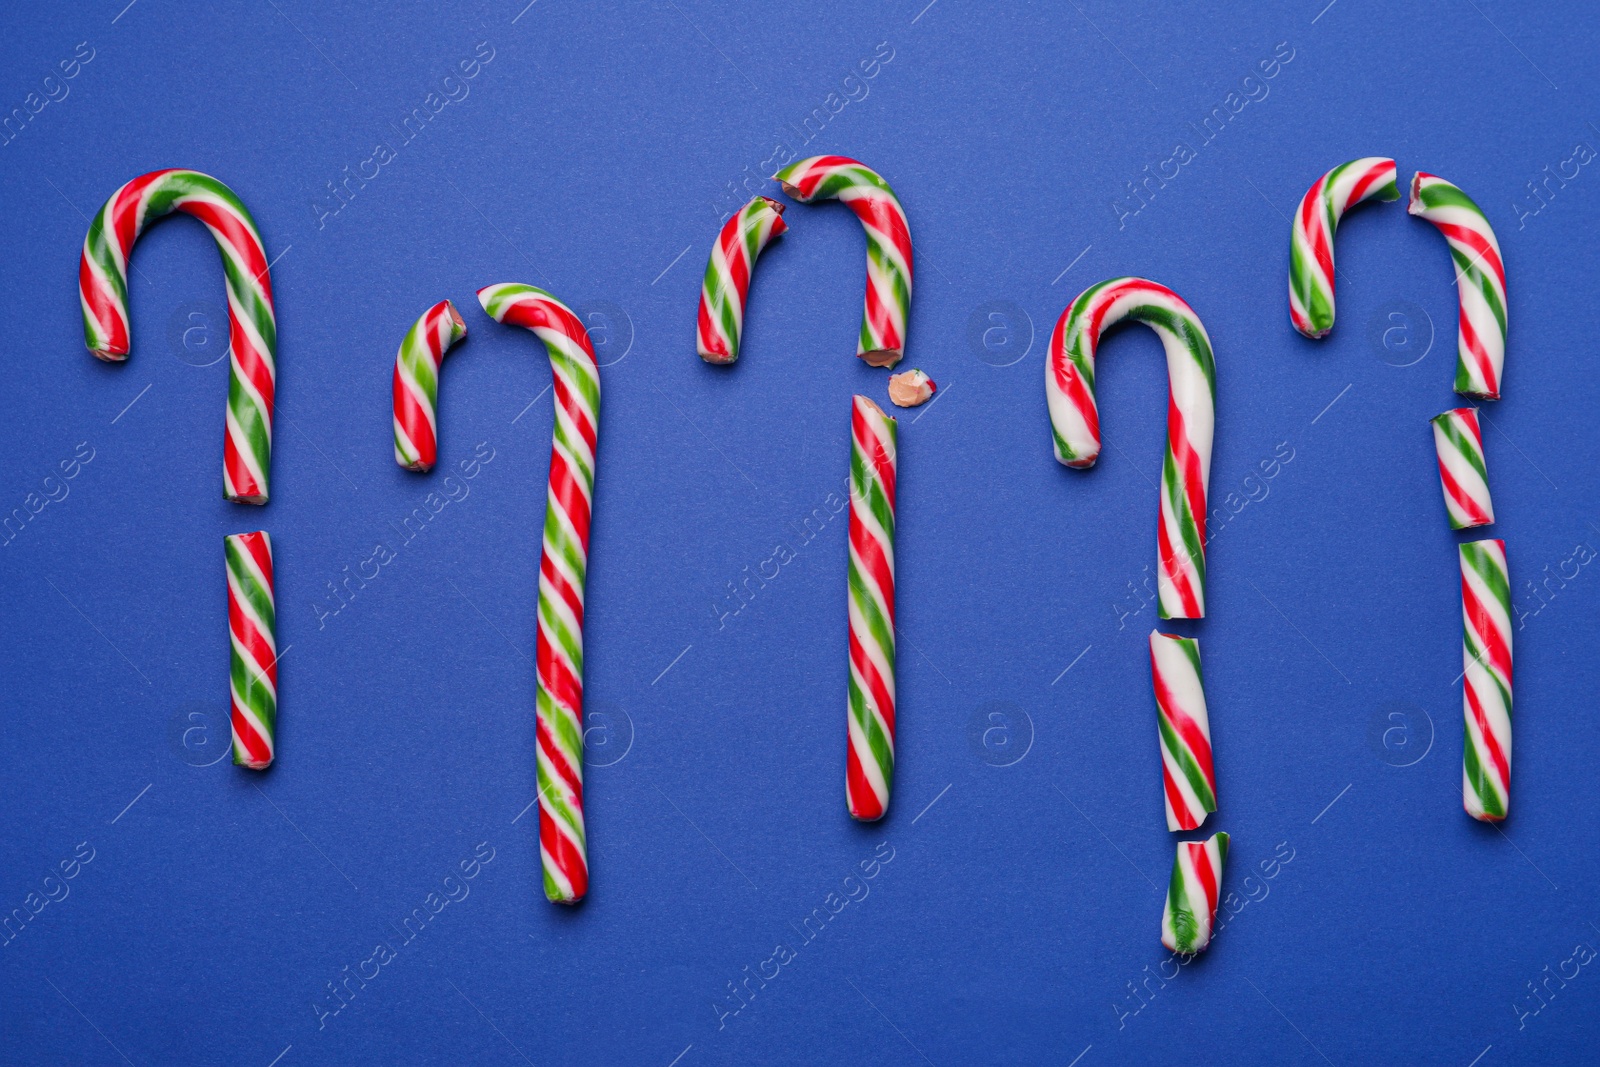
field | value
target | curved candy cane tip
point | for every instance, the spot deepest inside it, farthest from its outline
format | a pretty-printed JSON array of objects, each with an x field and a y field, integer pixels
[
  {"x": 1311, "y": 270},
  {"x": 881, "y": 341}
]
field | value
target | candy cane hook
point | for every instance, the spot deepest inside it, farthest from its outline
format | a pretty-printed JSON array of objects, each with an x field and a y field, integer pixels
[
  {"x": 1480, "y": 282},
  {"x": 882, "y": 341},
  {"x": 1191, "y": 418},
  {"x": 727, "y": 280},
  {"x": 416, "y": 385},
  {"x": 1311, "y": 277},
  {"x": 563, "y": 566},
  {"x": 252, "y": 325}
]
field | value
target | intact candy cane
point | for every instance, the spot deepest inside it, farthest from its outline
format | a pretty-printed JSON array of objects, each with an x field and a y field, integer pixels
[
  {"x": 882, "y": 342},
  {"x": 1191, "y": 418},
  {"x": 252, "y": 326},
  {"x": 1192, "y": 894},
  {"x": 869, "y": 771},
  {"x": 252, "y": 633},
  {"x": 416, "y": 385},
  {"x": 1189, "y": 782},
  {"x": 727, "y": 280},
  {"x": 1486, "y": 683},
  {"x": 563, "y": 565},
  {"x": 1480, "y": 282},
  {"x": 1464, "y": 477},
  {"x": 1311, "y": 277}
]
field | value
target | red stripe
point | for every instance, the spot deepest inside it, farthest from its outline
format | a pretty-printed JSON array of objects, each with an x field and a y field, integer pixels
[
  {"x": 1497, "y": 654},
  {"x": 562, "y": 588},
  {"x": 1070, "y": 381},
  {"x": 230, "y": 228},
  {"x": 1370, "y": 180},
  {"x": 1189, "y": 732},
  {"x": 566, "y": 491},
  {"x": 250, "y": 637},
  {"x": 566, "y": 774},
  {"x": 564, "y": 854},
  {"x": 863, "y": 800},
  {"x": 1497, "y": 756},
  {"x": 1478, "y": 243},
  {"x": 564, "y": 687},
  {"x": 871, "y": 554},
  {"x": 107, "y": 315},
  {"x": 876, "y": 691},
  {"x": 1207, "y": 877},
  {"x": 413, "y": 419},
  {"x": 1463, "y": 500},
  {"x": 1180, "y": 810},
  {"x": 1314, "y": 221},
  {"x": 255, "y": 745},
  {"x": 568, "y": 402}
]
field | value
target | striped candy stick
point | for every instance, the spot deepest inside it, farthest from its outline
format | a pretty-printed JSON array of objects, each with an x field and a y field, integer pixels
[
  {"x": 727, "y": 280},
  {"x": 1458, "y": 440},
  {"x": 252, "y": 632},
  {"x": 869, "y": 771},
  {"x": 252, "y": 326},
  {"x": 1189, "y": 782},
  {"x": 1480, "y": 282},
  {"x": 1193, "y": 893},
  {"x": 563, "y": 565},
  {"x": 416, "y": 385},
  {"x": 883, "y": 324},
  {"x": 1311, "y": 277},
  {"x": 1191, "y": 418},
  {"x": 1486, "y": 683}
]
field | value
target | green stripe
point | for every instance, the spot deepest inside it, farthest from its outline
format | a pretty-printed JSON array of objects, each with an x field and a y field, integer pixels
[
  {"x": 1462, "y": 442},
  {"x": 1186, "y": 763}
]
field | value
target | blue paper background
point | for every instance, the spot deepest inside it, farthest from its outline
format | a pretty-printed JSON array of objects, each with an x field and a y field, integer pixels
[{"x": 1029, "y": 855}]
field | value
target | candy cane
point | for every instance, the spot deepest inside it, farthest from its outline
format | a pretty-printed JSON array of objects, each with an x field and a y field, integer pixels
[
  {"x": 1192, "y": 894},
  {"x": 563, "y": 564},
  {"x": 1486, "y": 680},
  {"x": 1480, "y": 282},
  {"x": 252, "y": 633},
  {"x": 1191, "y": 418},
  {"x": 252, "y": 326},
  {"x": 727, "y": 280},
  {"x": 1458, "y": 440},
  {"x": 1311, "y": 274},
  {"x": 869, "y": 772},
  {"x": 882, "y": 342},
  {"x": 1189, "y": 782},
  {"x": 416, "y": 385}
]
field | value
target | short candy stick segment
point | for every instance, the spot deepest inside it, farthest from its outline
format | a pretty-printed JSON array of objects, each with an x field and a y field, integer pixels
[
  {"x": 416, "y": 385},
  {"x": 727, "y": 281},
  {"x": 1191, "y": 418},
  {"x": 563, "y": 566},
  {"x": 252, "y": 633},
  {"x": 883, "y": 324},
  {"x": 1486, "y": 683},
  {"x": 1480, "y": 282},
  {"x": 869, "y": 771},
  {"x": 252, "y": 325},
  {"x": 1458, "y": 440},
  {"x": 1189, "y": 781},
  {"x": 1311, "y": 277},
  {"x": 1193, "y": 893}
]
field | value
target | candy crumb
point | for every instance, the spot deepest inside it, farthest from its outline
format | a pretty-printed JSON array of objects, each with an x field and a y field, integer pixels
[{"x": 910, "y": 388}]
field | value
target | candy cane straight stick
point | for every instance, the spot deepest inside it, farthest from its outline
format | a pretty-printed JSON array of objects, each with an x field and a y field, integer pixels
[
  {"x": 1188, "y": 779},
  {"x": 252, "y": 632},
  {"x": 1480, "y": 282},
  {"x": 1486, "y": 680},
  {"x": 416, "y": 385},
  {"x": 1193, "y": 894},
  {"x": 882, "y": 342},
  {"x": 1191, "y": 418},
  {"x": 563, "y": 565},
  {"x": 1311, "y": 275},
  {"x": 869, "y": 771},
  {"x": 252, "y": 326},
  {"x": 727, "y": 279}
]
